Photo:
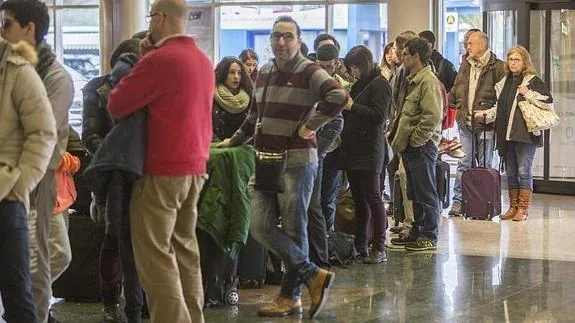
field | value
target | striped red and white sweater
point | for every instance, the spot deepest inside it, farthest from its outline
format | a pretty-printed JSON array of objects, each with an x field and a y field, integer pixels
[{"x": 292, "y": 95}]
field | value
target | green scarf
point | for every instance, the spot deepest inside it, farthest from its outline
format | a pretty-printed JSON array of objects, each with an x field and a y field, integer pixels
[{"x": 232, "y": 103}]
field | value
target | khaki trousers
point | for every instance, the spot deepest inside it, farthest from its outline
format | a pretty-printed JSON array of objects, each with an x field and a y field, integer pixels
[
  {"x": 163, "y": 215},
  {"x": 407, "y": 203}
]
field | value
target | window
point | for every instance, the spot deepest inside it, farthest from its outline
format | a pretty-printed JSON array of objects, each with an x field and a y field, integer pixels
[
  {"x": 244, "y": 27},
  {"x": 200, "y": 27},
  {"x": 459, "y": 17}
]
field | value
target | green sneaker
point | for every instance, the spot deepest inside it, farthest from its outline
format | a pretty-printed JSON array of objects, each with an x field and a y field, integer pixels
[{"x": 421, "y": 245}]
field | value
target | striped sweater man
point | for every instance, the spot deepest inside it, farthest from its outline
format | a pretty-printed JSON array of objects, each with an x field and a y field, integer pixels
[{"x": 292, "y": 95}]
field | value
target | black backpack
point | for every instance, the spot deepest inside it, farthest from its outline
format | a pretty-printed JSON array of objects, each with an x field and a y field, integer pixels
[{"x": 341, "y": 248}]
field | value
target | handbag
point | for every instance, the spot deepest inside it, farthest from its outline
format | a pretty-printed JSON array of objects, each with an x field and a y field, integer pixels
[{"x": 536, "y": 118}]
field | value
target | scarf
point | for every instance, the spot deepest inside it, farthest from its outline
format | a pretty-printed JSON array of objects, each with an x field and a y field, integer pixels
[
  {"x": 232, "y": 103},
  {"x": 45, "y": 59}
]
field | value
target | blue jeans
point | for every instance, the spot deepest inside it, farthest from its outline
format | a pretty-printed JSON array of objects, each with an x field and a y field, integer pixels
[
  {"x": 15, "y": 281},
  {"x": 419, "y": 165},
  {"x": 289, "y": 243},
  {"x": 467, "y": 137},
  {"x": 331, "y": 177},
  {"x": 518, "y": 162}
]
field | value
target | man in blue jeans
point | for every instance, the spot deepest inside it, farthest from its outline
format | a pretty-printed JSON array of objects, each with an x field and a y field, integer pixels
[
  {"x": 282, "y": 119},
  {"x": 415, "y": 137},
  {"x": 28, "y": 137}
]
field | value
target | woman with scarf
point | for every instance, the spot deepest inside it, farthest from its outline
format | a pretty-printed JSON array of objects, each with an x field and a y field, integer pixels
[
  {"x": 515, "y": 144},
  {"x": 232, "y": 97}
]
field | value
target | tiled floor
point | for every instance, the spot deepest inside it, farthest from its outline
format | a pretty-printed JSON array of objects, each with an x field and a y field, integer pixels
[{"x": 482, "y": 272}]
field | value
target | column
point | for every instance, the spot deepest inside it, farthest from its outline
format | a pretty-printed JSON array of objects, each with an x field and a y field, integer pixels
[{"x": 414, "y": 15}]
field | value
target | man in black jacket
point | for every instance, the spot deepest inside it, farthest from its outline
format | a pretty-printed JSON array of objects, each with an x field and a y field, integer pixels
[{"x": 445, "y": 70}]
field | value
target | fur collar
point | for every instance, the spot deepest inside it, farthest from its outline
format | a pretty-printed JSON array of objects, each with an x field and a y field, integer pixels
[{"x": 25, "y": 51}]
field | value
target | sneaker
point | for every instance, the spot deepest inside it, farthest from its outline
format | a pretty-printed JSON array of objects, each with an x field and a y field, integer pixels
[
  {"x": 113, "y": 313},
  {"x": 456, "y": 209},
  {"x": 421, "y": 245},
  {"x": 376, "y": 257},
  {"x": 396, "y": 229},
  {"x": 403, "y": 240}
]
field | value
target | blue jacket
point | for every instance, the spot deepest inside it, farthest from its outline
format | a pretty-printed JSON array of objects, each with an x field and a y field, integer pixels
[{"x": 123, "y": 148}]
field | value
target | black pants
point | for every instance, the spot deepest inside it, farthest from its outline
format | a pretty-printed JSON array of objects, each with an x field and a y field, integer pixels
[
  {"x": 117, "y": 264},
  {"x": 368, "y": 205}
]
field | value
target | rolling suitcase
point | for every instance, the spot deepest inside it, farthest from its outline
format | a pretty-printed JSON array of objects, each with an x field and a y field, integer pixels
[
  {"x": 442, "y": 176},
  {"x": 481, "y": 187},
  {"x": 252, "y": 263}
]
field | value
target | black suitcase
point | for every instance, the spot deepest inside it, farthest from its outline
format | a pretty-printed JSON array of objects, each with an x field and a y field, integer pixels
[
  {"x": 442, "y": 177},
  {"x": 81, "y": 281},
  {"x": 219, "y": 276},
  {"x": 398, "y": 210},
  {"x": 252, "y": 262}
]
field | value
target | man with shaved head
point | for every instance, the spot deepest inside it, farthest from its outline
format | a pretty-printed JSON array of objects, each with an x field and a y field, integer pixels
[
  {"x": 175, "y": 82},
  {"x": 473, "y": 92}
]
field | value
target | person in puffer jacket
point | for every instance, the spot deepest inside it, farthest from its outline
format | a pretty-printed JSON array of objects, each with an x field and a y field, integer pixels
[{"x": 117, "y": 266}]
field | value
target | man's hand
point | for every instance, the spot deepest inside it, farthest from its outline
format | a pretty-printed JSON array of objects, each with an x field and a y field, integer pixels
[
  {"x": 348, "y": 104},
  {"x": 479, "y": 118},
  {"x": 305, "y": 133},
  {"x": 11, "y": 197},
  {"x": 223, "y": 144}
]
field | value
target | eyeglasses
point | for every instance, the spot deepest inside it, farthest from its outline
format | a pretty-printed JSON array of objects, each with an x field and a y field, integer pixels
[
  {"x": 405, "y": 53},
  {"x": 276, "y": 36},
  {"x": 514, "y": 60},
  {"x": 328, "y": 67},
  {"x": 152, "y": 15}
]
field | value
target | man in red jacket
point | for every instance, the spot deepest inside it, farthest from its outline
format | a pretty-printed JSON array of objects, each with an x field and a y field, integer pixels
[{"x": 174, "y": 80}]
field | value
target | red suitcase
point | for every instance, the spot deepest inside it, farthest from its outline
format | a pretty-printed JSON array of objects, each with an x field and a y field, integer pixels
[{"x": 481, "y": 188}]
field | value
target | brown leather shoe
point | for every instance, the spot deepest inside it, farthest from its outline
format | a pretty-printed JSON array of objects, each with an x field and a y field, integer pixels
[
  {"x": 513, "y": 203},
  {"x": 282, "y": 307},
  {"x": 318, "y": 289},
  {"x": 524, "y": 201}
]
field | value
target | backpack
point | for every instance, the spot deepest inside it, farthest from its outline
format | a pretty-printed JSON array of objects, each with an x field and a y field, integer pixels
[{"x": 341, "y": 248}]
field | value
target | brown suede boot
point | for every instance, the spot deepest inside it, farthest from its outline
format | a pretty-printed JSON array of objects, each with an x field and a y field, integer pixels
[
  {"x": 318, "y": 289},
  {"x": 282, "y": 307},
  {"x": 513, "y": 203},
  {"x": 524, "y": 201}
]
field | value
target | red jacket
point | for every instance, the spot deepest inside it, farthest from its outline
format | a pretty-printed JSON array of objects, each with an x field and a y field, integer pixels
[{"x": 176, "y": 83}]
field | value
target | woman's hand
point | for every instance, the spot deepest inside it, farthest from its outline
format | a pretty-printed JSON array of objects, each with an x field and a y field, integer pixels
[
  {"x": 305, "y": 133},
  {"x": 523, "y": 89},
  {"x": 348, "y": 104},
  {"x": 223, "y": 144}
]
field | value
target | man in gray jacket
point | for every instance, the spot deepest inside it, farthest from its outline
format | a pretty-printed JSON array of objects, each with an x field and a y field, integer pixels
[
  {"x": 29, "y": 23},
  {"x": 27, "y": 139}
]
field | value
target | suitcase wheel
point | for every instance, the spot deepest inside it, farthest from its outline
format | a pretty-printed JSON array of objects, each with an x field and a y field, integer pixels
[
  {"x": 232, "y": 297},
  {"x": 233, "y": 312}
]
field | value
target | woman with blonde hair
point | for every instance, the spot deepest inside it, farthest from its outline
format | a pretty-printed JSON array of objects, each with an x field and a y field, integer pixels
[{"x": 516, "y": 145}]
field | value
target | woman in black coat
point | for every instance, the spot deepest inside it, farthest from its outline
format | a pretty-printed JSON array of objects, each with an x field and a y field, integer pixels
[
  {"x": 232, "y": 97},
  {"x": 363, "y": 149}
]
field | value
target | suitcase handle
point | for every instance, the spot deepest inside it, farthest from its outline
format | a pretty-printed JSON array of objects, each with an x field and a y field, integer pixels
[{"x": 475, "y": 156}]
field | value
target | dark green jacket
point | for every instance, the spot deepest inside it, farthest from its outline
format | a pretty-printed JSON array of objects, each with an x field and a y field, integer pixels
[{"x": 224, "y": 205}]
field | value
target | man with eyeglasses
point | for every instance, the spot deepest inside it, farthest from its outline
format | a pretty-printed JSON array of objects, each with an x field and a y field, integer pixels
[
  {"x": 28, "y": 137},
  {"x": 174, "y": 81},
  {"x": 472, "y": 93},
  {"x": 418, "y": 134},
  {"x": 292, "y": 85},
  {"x": 29, "y": 21},
  {"x": 321, "y": 211}
]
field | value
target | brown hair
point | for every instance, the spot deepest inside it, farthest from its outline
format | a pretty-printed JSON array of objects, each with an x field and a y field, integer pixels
[
  {"x": 361, "y": 57},
  {"x": 529, "y": 68}
]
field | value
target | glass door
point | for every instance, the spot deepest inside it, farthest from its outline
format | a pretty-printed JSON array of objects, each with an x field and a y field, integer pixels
[
  {"x": 537, "y": 39},
  {"x": 562, "y": 85},
  {"x": 502, "y": 31}
]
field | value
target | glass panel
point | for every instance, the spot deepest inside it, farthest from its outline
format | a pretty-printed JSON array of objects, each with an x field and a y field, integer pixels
[
  {"x": 81, "y": 2},
  {"x": 361, "y": 24},
  {"x": 537, "y": 51},
  {"x": 562, "y": 72},
  {"x": 502, "y": 31},
  {"x": 459, "y": 16},
  {"x": 50, "y": 37},
  {"x": 200, "y": 26},
  {"x": 244, "y": 27},
  {"x": 81, "y": 53},
  {"x": 187, "y": 1}
]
